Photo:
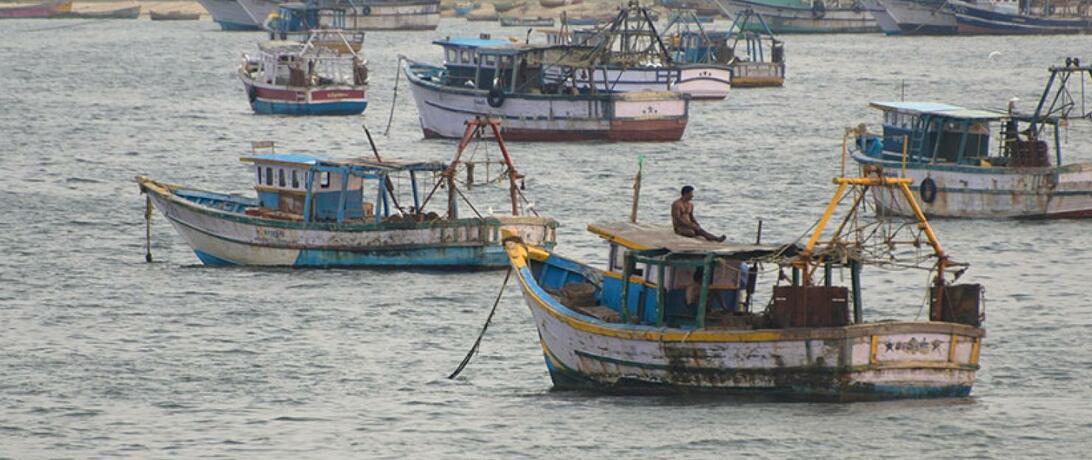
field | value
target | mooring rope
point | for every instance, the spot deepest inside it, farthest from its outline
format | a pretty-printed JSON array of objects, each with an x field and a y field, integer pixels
[
  {"x": 489, "y": 319},
  {"x": 394, "y": 98}
]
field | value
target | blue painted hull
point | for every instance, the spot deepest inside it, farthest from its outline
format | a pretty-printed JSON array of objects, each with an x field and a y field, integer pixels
[
  {"x": 476, "y": 257},
  {"x": 237, "y": 27},
  {"x": 974, "y": 20},
  {"x": 326, "y": 108}
]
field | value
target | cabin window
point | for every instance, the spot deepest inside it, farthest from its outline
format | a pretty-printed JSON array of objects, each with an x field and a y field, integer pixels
[
  {"x": 889, "y": 118},
  {"x": 451, "y": 55},
  {"x": 505, "y": 61},
  {"x": 324, "y": 180},
  {"x": 280, "y": 178},
  {"x": 268, "y": 176},
  {"x": 490, "y": 60},
  {"x": 464, "y": 56},
  {"x": 476, "y": 56},
  {"x": 295, "y": 179},
  {"x": 259, "y": 169}
]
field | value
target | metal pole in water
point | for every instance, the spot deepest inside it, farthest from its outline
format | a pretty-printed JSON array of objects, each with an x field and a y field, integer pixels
[
  {"x": 636, "y": 189},
  {"x": 148, "y": 229}
]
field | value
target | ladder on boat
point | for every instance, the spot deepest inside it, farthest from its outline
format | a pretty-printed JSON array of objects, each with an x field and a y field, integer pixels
[{"x": 917, "y": 136}]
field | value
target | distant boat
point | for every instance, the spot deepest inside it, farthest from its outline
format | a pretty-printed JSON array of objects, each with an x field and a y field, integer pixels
[
  {"x": 513, "y": 21},
  {"x": 558, "y": 3},
  {"x": 816, "y": 16},
  {"x": 914, "y": 17},
  {"x": 483, "y": 13},
  {"x": 945, "y": 151},
  {"x": 588, "y": 20},
  {"x": 131, "y": 12},
  {"x": 499, "y": 79},
  {"x": 1012, "y": 18},
  {"x": 317, "y": 212},
  {"x": 505, "y": 6},
  {"x": 756, "y": 59},
  {"x": 462, "y": 8},
  {"x": 37, "y": 11},
  {"x": 173, "y": 16},
  {"x": 230, "y": 15},
  {"x": 322, "y": 76}
]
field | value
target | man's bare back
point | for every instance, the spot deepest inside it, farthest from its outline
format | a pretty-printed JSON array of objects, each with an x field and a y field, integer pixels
[{"x": 682, "y": 217}]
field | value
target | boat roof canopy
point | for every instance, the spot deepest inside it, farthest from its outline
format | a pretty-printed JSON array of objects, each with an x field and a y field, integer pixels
[
  {"x": 647, "y": 237},
  {"x": 938, "y": 109},
  {"x": 301, "y": 160},
  {"x": 471, "y": 42}
]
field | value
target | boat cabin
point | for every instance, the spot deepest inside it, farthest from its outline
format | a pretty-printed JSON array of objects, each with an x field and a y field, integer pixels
[
  {"x": 309, "y": 64},
  {"x": 506, "y": 67},
  {"x": 310, "y": 189},
  {"x": 662, "y": 279},
  {"x": 936, "y": 133}
]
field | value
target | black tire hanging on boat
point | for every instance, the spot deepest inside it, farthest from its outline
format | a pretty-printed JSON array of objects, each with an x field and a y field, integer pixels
[
  {"x": 366, "y": 10},
  {"x": 495, "y": 98},
  {"x": 928, "y": 190},
  {"x": 251, "y": 93},
  {"x": 818, "y": 9}
]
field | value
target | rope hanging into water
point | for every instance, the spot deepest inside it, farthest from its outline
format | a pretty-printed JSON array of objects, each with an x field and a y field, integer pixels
[
  {"x": 394, "y": 98},
  {"x": 474, "y": 349}
]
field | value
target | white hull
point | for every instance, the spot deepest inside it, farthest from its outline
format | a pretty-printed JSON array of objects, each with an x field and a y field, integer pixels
[
  {"x": 230, "y": 14},
  {"x": 996, "y": 192},
  {"x": 699, "y": 81},
  {"x": 259, "y": 10},
  {"x": 916, "y": 18}
]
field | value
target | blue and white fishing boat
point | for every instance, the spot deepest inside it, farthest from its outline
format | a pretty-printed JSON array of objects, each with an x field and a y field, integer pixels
[
  {"x": 629, "y": 55},
  {"x": 315, "y": 212},
  {"x": 1009, "y": 17},
  {"x": 321, "y": 76},
  {"x": 945, "y": 151},
  {"x": 755, "y": 59},
  {"x": 353, "y": 15},
  {"x": 672, "y": 314}
]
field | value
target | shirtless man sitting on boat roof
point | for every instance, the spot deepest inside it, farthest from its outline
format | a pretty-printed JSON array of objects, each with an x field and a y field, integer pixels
[{"x": 682, "y": 217}]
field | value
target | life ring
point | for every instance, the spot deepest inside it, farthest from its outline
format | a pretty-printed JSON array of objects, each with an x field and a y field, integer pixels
[
  {"x": 495, "y": 98},
  {"x": 818, "y": 9},
  {"x": 366, "y": 10},
  {"x": 928, "y": 190}
]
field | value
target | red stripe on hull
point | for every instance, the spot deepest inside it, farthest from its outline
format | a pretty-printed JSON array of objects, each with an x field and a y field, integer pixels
[
  {"x": 279, "y": 94},
  {"x": 1079, "y": 214},
  {"x": 336, "y": 95},
  {"x": 620, "y": 131}
]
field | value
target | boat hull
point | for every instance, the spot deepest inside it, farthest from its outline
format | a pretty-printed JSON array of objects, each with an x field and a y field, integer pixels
[
  {"x": 919, "y": 18},
  {"x": 230, "y": 15},
  {"x": 992, "y": 192},
  {"x": 38, "y": 11},
  {"x": 699, "y": 81},
  {"x": 131, "y": 12},
  {"x": 259, "y": 10},
  {"x": 785, "y": 19},
  {"x": 228, "y": 236},
  {"x": 327, "y": 100},
  {"x": 642, "y": 116},
  {"x": 870, "y": 361},
  {"x": 883, "y": 19},
  {"x": 973, "y": 19},
  {"x": 404, "y": 15}
]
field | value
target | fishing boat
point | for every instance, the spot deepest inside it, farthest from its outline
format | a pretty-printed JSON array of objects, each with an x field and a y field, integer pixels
[
  {"x": 462, "y": 8},
  {"x": 558, "y": 3},
  {"x": 173, "y": 16},
  {"x": 353, "y": 17},
  {"x": 498, "y": 78},
  {"x": 322, "y": 76},
  {"x": 313, "y": 212},
  {"x": 671, "y": 314},
  {"x": 484, "y": 12},
  {"x": 36, "y": 11},
  {"x": 506, "y": 6},
  {"x": 130, "y": 12},
  {"x": 629, "y": 55},
  {"x": 516, "y": 21},
  {"x": 915, "y": 17},
  {"x": 690, "y": 16},
  {"x": 755, "y": 59},
  {"x": 230, "y": 15},
  {"x": 944, "y": 150},
  {"x": 700, "y": 7},
  {"x": 1001, "y": 17},
  {"x": 806, "y": 16},
  {"x": 883, "y": 19}
]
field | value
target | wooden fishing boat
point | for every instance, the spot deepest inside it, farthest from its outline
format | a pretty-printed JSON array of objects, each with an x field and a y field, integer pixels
[
  {"x": 993, "y": 17},
  {"x": 811, "y": 16},
  {"x": 354, "y": 16},
  {"x": 629, "y": 55},
  {"x": 36, "y": 11},
  {"x": 515, "y": 21},
  {"x": 945, "y": 151},
  {"x": 322, "y": 76},
  {"x": 131, "y": 12},
  {"x": 173, "y": 16},
  {"x": 755, "y": 59},
  {"x": 462, "y": 8},
  {"x": 313, "y": 212},
  {"x": 497, "y": 78},
  {"x": 230, "y": 15},
  {"x": 674, "y": 315},
  {"x": 506, "y": 6}
]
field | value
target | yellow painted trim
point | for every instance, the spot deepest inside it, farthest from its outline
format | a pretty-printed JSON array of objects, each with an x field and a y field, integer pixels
[
  {"x": 952, "y": 349},
  {"x": 632, "y": 278},
  {"x": 975, "y": 349},
  {"x": 872, "y": 350},
  {"x": 268, "y": 188},
  {"x": 827, "y": 213},
  {"x": 922, "y": 222}
]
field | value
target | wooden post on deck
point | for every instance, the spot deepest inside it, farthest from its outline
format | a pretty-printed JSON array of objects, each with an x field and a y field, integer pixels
[
  {"x": 628, "y": 265},
  {"x": 703, "y": 299}
]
